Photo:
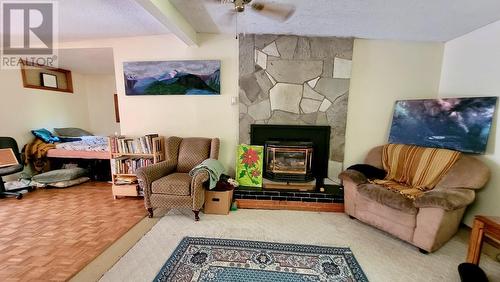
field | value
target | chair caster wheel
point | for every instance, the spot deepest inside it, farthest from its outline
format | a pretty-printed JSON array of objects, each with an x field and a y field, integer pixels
[{"x": 19, "y": 197}]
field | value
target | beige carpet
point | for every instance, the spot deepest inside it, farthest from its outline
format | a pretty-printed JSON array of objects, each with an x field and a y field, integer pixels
[{"x": 382, "y": 257}]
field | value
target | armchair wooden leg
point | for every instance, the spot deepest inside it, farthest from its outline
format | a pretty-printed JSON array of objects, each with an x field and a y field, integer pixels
[
  {"x": 150, "y": 212},
  {"x": 196, "y": 215}
]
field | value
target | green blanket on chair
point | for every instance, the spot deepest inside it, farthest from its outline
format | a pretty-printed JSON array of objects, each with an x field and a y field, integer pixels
[{"x": 214, "y": 169}]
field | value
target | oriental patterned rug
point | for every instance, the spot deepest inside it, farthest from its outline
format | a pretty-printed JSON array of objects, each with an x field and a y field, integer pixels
[{"x": 206, "y": 259}]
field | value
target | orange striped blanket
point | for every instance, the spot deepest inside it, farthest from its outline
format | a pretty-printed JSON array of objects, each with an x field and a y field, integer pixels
[{"x": 412, "y": 170}]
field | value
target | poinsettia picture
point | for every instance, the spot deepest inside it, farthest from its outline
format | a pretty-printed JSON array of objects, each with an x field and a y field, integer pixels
[{"x": 249, "y": 165}]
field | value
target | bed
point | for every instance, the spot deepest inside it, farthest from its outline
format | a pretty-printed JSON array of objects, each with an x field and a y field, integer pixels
[
  {"x": 91, "y": 152},
  {"x": 89, "y": 147}
]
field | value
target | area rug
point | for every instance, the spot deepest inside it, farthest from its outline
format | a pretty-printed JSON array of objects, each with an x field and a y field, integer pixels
[{"x": 207, "y": 259}]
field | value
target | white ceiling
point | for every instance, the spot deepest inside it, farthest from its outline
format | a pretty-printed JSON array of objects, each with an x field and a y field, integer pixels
[
  {"x": 93, "y": 19},
  {"x": 87, "y": 60},
  {"x": 420, "y": 20}
]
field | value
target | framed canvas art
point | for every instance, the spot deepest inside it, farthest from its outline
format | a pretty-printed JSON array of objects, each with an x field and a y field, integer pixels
[
  {"x": 48, "y": 80},
  {"x": 172, "y": 77},
  {"x": 461, "y": 124},
  {"x": 249, "y": 164}
]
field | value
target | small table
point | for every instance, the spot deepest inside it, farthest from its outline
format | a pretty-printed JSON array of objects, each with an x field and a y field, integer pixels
[{"x": 483, "y": 225}]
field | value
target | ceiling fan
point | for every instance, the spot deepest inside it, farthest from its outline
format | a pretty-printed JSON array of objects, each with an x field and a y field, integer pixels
[{"x": 277, "y": 11}]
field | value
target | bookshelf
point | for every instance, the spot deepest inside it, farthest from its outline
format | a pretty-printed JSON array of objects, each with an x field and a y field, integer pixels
[{"x": 129, "y": 154}]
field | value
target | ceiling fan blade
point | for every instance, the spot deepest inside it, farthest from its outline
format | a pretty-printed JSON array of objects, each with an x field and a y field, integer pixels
[{"x": 281, "y": 12}]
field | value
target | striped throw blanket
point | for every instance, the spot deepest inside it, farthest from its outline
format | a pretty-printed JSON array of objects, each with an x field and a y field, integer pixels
[{"x": 411, "y": 170}]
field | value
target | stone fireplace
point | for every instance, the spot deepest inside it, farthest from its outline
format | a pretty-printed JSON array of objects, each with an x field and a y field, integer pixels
[{"x": 295, "y": 80}]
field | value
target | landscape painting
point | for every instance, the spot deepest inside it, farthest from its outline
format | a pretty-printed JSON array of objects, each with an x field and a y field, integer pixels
[
  {"x": 172, "y": 77},
  {"x": 461, "y": 124}
]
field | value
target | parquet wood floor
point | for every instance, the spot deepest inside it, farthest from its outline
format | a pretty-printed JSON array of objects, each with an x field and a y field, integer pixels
[{"x": 51, "y": 234}]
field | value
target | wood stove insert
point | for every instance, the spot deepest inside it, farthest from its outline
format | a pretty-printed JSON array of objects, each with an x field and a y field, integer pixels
[
  {"x": 288, "y": 161},
  {"x": 318, "y": 136}
]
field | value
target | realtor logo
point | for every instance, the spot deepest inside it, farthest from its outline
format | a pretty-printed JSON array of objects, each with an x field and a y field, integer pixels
[{"x": 28, "y": 32}]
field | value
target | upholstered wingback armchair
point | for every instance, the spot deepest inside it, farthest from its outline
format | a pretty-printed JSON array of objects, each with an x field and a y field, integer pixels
[{"x": 168, "y": 184}]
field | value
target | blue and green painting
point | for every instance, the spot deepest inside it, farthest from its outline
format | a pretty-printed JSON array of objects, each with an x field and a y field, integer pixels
[
  {"x": 172, "y": 77},
  {"x": 461, "y": 124}
]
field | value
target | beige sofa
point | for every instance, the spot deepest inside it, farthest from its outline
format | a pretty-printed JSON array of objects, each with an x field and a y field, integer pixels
[{"x": 427, "y": 222}]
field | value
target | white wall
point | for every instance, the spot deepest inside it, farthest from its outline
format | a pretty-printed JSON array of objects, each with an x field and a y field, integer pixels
[
  {"x": 184, "y": 116},
  {"x": 90, "y": 106},
  {"x": 471, "y": 67},
  {"x": 383, "y": 72},
  {"x": 23, "y": 109},
  {"x": 100, "y": 101},
  {"x": 201, "y": 116}
]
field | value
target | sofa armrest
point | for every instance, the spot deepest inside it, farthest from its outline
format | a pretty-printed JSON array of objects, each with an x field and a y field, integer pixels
[
  {"x": 354, "y": 176},
  {"x": 447, "y": 199}
]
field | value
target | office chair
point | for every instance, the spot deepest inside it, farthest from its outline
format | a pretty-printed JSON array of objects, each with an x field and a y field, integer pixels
[
  {"x": 470, "y": 272},
  {"x": 8, "y": 142}
]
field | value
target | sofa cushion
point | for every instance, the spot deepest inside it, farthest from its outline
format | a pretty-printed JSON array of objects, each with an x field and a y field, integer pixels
[
  {"x": 173, "y": 184},
  {"x": 369, "y": 171},
  {"x": 354, "y": 176},
  {"x": 386, "y": 197},
  {"x": 468, "y": 172},
  {"x": 396, "y": 222}
]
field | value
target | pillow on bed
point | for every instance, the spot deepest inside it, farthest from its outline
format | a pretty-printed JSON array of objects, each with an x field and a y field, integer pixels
[
  {"x": 69, "y": 139},
  {"x": 45, "y": 135},
  {"x": 64, "y": 184},
  {"x": 59, "y": 175},
  {"x": 71, "y": 132}
]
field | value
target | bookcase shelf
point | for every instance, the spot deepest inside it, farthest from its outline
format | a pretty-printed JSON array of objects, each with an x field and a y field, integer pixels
[{"x": 129, "y": 154}]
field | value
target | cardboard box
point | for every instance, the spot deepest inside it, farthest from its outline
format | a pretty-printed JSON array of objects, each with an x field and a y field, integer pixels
[{"x": 218, "y": 202}]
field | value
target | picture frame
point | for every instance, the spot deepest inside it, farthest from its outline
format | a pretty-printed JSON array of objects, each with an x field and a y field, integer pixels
[
  {"x": 249, "y": 165},
  {"x": 48, "y": 80},
  {"x": 186, "y": 77},
  {"x": 461, "y": 124}
]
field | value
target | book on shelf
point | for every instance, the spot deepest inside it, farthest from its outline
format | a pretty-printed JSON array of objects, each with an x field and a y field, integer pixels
[
  {"x": 125, "y": 180},
  {"x": 139, "y": 145},
  {"x": 129, "y": 165}
]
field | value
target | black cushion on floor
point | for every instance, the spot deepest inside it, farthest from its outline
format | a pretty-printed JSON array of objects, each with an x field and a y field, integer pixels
[{"x": 471, "y": 273}]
